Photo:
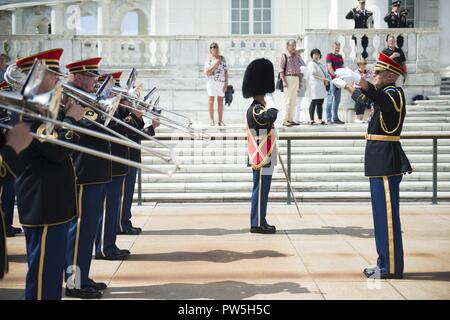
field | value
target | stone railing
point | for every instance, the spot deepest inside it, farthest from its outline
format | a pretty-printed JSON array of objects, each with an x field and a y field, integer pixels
[{"x": 421, "y": 47}]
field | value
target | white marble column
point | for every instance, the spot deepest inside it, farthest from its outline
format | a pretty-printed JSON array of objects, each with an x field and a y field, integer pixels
[
  {"x": 17, "y": 21},
  {"x": 103, "y": 17},
  {"x": 57, "y": 18},
  {"x": 444, "y": 26}
]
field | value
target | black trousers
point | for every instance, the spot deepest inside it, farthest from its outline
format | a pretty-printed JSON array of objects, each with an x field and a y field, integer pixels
[{"x": 316, "y": 103}]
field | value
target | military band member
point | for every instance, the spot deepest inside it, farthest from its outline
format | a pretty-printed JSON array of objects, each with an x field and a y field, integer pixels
[
  {"x": 261, "y": 138},
  {"x": 125, "y": 226},
  {"x": 105, "y": 242},
  {"x": 385, "y": 160},
  {"x": 9, "y": 194},
  {"x": 11, "y": 145},
  {"x": 93, "y": 175},
  {"x": 397, "y": 18},
  {"x": 46, "y": 194}
]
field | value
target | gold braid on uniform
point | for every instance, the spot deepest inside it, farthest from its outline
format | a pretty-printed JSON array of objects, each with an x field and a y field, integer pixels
[
  {"x": 398, "y": 109},
  {"x": 258, "y": 114}
]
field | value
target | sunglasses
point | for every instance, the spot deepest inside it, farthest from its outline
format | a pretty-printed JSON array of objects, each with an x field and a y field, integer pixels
[{"x": 213, "y": 47}]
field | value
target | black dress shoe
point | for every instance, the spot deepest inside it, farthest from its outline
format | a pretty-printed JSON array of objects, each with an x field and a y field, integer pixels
[
  {"x": 268, "y": 226},
  {"x": 84, "y": 293},
  {"x": 294, "y": 123},
  {"x": 131, "y": 231},
  {"x": 12, "y": 231},
  {"x": 337, "y": 121},
  {"x": 100, "y": 286},
  {"x": 263, "y": 230},
  {"x": 124, "y": 251},
  {"x": 115, "y": 256}
]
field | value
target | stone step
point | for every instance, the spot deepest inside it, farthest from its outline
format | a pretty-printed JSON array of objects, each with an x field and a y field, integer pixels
[
  {"x": 219, "y": 177},
  {"x": 417, "y": 119},
  {"x": 295, "y": 158},
  {"x": 296, "y": 167},
  {"x": 431, "y": 115},
  {"x": 281, "y": 197},
  {"x": 346, "y": 128},
  {"x": 241, "y": 150},
  {"x": 433, "y": 103},
  {"x": 280, "y": 186},
  {"x": 295, "y": 143},
  {"x": 440, "y": 97}
]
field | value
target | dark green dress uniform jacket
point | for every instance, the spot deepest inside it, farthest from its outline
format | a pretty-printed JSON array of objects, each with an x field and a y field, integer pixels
[{"x": 385, "y": 158}]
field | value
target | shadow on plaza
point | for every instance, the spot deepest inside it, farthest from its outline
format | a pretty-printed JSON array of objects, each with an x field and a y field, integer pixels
[
  {"x": 353, "y": 231},
  {"x": 218, "y": 256},
  {"x": 225, "y": 290}
]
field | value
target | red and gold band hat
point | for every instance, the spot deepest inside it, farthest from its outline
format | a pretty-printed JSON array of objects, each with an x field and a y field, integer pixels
[
  {"x": 115, "y": 75},
  {"x": 89, "y": 66},
  {"x": 385, "y": 63},
  {"x": 4, "y": 86},
  {"x": 50, "y": 59}
]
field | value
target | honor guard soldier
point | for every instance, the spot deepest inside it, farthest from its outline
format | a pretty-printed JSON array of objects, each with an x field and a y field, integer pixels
[
  {"x": 258, "y": 83},
  {"x": 105, "y": 242},
  {"x": 362, "y": 17},
  {"x": 9, "y": 194},
  {"x": 93, "y": 176},
  {"x": 385, "y": 160},
  {"x": 397, "y": 18},
  {"x": 46, "y": 193},
  {"x": 125, "y": 226},
  {"x": 12, "y": 144}
]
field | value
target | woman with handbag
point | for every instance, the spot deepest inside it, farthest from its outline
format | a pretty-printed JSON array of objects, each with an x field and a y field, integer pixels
[
  {"x": 319, "y": 86},
  {"x": 216, "y": 71}
]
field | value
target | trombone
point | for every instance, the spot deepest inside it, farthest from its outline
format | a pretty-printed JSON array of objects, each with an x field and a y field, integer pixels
[
  {"x": 45, "y": 108},
  {"x": 96, "y": 103}
]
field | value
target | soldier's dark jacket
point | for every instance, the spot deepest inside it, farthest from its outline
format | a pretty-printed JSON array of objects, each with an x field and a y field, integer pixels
[
  {"x": 91, "y": 169},
  {"x": 396, "y": 20},
  {"x": 118, "y": 150},
  {"x": 261, "y": 120},
  {"x": 10, "y": 164},
  {"x": 385, "y": 158},
  {"x": 138, "y": 123},
  {"x": 360, "y": 17},
  {"x": 46, "y": 190}
]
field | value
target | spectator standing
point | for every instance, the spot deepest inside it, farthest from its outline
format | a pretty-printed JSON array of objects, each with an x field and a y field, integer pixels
[
  {"x": 396, "y": 54},
  {"x": 216, "y": 70},
  {"x": 363, "y": 102},
  {"x": 3, "y": 66},
  {"x": 318, "y": 86},
  {"x": 290, "y": 73},
  {"x": 335, "y": 61}
]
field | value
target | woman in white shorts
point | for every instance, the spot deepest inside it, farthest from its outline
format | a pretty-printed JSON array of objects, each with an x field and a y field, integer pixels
[{"x": 216, "y": 71}]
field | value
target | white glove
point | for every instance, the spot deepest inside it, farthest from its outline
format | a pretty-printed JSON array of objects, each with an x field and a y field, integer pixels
[
  {"x": 270, "y": 102},
  {"x": 339, "y": 83},
  {"x": 348, "y": 75}
]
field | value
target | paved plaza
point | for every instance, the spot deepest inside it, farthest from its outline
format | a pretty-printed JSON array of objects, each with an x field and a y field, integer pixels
[{"x": 206, "y": 252}]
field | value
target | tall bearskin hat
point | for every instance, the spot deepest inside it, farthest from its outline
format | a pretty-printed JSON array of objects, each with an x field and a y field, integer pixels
[{"x": 258, "y": 78}]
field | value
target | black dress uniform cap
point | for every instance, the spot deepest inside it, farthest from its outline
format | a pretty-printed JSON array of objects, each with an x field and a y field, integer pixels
[
  {"x": 396, "y": 3},
  {"x": 258, "y": 78}
]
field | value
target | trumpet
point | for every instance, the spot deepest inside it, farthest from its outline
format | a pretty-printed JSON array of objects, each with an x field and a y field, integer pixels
[{"x": 45, "y": 108}]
